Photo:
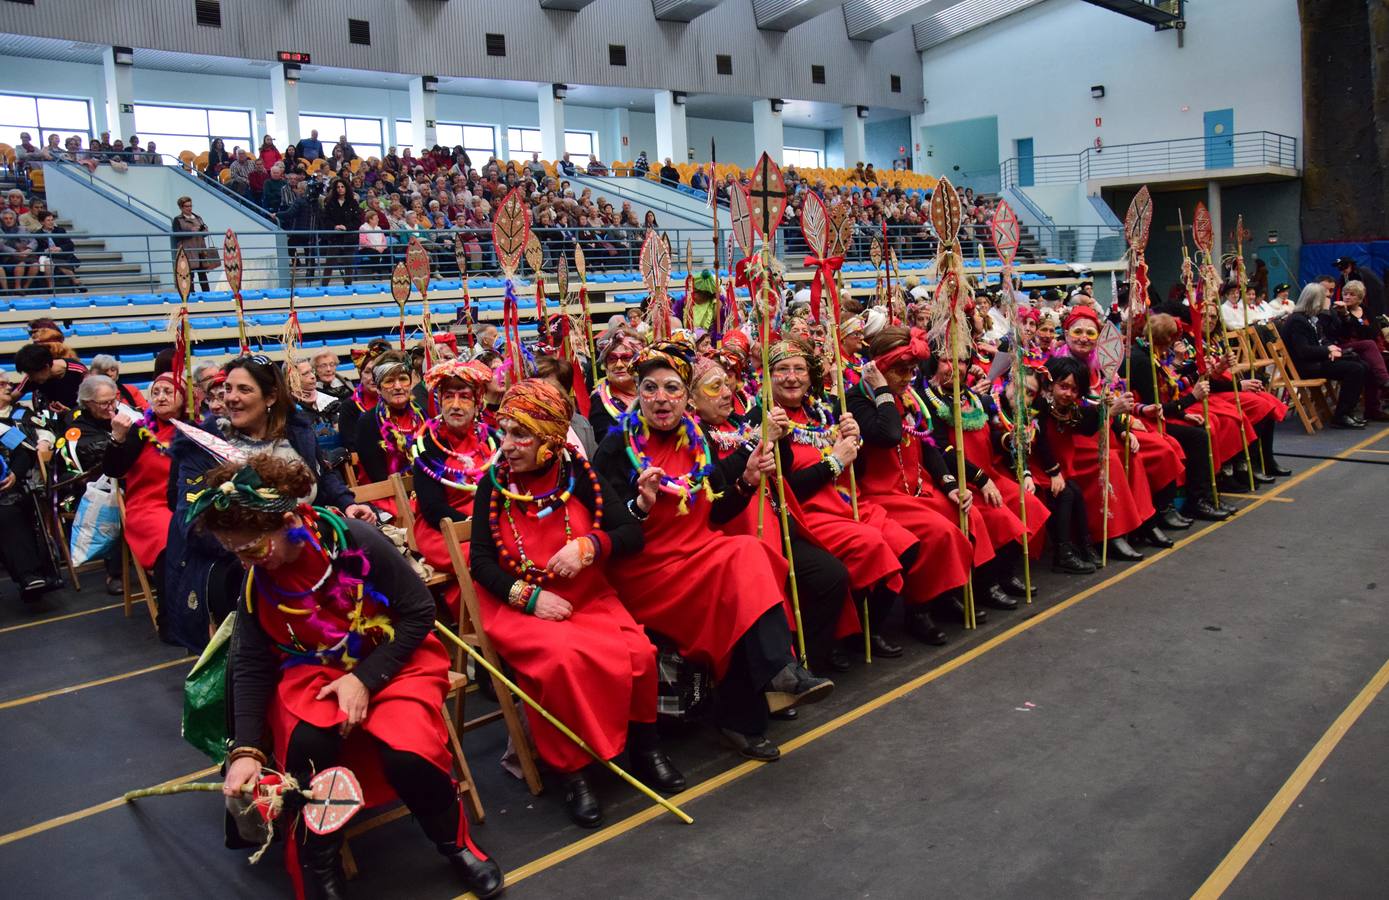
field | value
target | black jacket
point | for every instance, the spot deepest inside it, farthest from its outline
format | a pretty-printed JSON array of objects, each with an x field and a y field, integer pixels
[{"x": 1306, "y": 339}]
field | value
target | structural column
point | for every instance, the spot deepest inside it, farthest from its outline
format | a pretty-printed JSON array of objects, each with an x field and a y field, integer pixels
[
  {"x": 423, "y": 104},
  {"x": 672, "y": 140},
  {"x": 617, "y": 135},
  {"x": 767, "y": 135},
  {"x": 855, "y": 144},
  {"x": 1213, "y": 206},
  {"x": 120, "y": 95},
  {"x": 284, "y": 97},
  {"x": 551, "y": 123}
]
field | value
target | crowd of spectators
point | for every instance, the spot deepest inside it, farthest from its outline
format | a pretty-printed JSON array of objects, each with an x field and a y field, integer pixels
[{"x": 36, "y": 254}]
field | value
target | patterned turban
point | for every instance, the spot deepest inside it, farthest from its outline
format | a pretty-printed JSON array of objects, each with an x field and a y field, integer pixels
[{"x": 539, "y": 407}]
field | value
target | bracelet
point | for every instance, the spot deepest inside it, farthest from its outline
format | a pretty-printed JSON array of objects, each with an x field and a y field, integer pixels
[
  {"x": 835, "y": 466},
  {"x": 516, "y": 597},
  {"x": 530, "y": 604},
  {"x": 743, "y": 487},
  {"x": 247, "y": 750},
  {"x": 588, "y": 549},
  {"x": 636, "y": 511}
]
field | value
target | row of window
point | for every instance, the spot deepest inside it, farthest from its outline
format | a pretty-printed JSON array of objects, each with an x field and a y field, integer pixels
[{"x": 177, "y": 128}]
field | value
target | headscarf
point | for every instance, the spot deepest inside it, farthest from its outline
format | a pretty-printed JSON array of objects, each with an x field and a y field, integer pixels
[
  {"x": 784, "y": 350},
  {"x": 1081, "y": 312},
  {"x": 704, "y": 367},
  {"x": 916, "y": 348},
  {"x": 385, "y": 366},
  {"x": 676, "y": 355},
  {"x": 473, "y": 373},
  {"x": 874, "y": 321},
  {"x": 539, "y": 407},
  {"x": 611, "y": 340},
  {"x": 851, "y": 326},
  {"x": 1029, "y": 314},
  {"x": 244, "y": 489},
  {"x": 364, "y": 358},
  {"x": 737, "y": 340},
  {"x": 705, "y": 282}
]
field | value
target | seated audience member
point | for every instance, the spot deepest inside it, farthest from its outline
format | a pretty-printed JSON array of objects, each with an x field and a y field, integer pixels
[
  {"x": 325, "y": 369},
  {"x": 57, "y": 254},
  {"x": 1306, "y": 332},
  {"x": 19, "y": 262},
  {"x": 1356, "y": 329},
  {"x": 106, "y": 364}
]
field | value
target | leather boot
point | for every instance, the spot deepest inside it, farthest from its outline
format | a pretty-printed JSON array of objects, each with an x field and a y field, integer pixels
[
  {"x": 649, "y": 763},
  {"x": 997, "y": 598},
  {"x": 1202, "y": 508},
  {"x": 580, "y": 801},
  {"x": 1121, "y": 549},
  {"x": 478, "y": 873},
  {"x": 1069, "y": 560},
  {"x": 921, "y": 626},
  {"x": 320, "y": 862},
  {"x": 1153, "y": 537},
  {"x": 1172, "y": 520}
]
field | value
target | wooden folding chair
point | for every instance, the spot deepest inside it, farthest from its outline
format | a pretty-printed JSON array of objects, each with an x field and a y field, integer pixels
[
  {"x": 456, "y": 535},
  {"x": 130, "y": 564},
  {"x": 1308, "y": 396}
]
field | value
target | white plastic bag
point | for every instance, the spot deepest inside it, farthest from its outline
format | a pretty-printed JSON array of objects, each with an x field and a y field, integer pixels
[{"x": 97, "y": 525}]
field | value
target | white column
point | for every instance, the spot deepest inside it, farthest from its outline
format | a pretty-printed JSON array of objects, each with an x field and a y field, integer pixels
[
  {"x": 767, "y": 135},
  {"x": 617, "y": 136},
  {"x": 855, "y": 144},
  {"x": 1213, "y": 206},
  {"x": 120, "y": 96},
  {"x": 672, "y": 140},
  {"x": 551, "y": 124},
  {"x": 284, "y": 98},
  {"x": 422, "y": 114}
]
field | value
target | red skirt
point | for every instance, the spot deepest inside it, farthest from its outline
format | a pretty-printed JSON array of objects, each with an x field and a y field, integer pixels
[
  {"x": 979, "y": 451},
  {"x": 1164, "y": 460},
  {"x": 943, "y": 563},
  {"x": 147, "y": 513},
  {"x": 1130, "y": 500}
]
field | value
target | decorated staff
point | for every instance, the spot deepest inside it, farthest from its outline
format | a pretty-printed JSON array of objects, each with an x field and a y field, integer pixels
[
  {"x": 875, "y": 256},
  {"x": 1138, "y": 223},
  {"x": 183, "y": 331},
  {"x": 417, "y": 267},
  {"x": 1109, "y": 353},
  {"x": 535, "y": 258},
  {"x": 231, "y": 264},
  {"x": 460, "y": 256},
  {"x": 1198, "y": 328},
  {"x": 582, "y": 267},
  {"x": 1006, "y": 237},
  {"x": 949, "y": 331},
  {"x": 510, "y": 229},
  {"x": 1242, "y": 279},
  {"x": 654, "y": 263},
  {"x": 400, "y": 292}
]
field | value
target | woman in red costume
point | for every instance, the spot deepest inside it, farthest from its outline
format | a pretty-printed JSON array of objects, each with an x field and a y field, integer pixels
[
  {"x": 333, "y": 663},
  {"x": 386, "y": 434},
  {"x": 451, "y": 454},
  {"x": 363, "y": 397},
  {"x": 541, "y": 562},
  {"x": 139, "y": 454},
  {"x": 717, "y": 596},
  {"x": 616, "y": 391}
]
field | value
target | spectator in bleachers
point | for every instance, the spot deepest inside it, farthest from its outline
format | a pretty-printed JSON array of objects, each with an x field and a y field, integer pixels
[
  {"x": 595, "y": 166},
  {"x": 257, "y": 179},
  {"x": 535, "y": 168},
  {"x": 272, "y": 194},
  {"x": 1373, "y": 298},
  {"x": 566, "y": 166},
  {"x": 341, "y": 214},
  {"x": 347, "y": 153},
  {"x": 310, "y": 148},
  {"x": 373, "y": 257},
  {"x": 699, "y": 180},
  {"x": 641, "y": 166},
  {"x": 30, "y": 219},
  {"x": 151, "y": 156},
  {"x": 269, "y": 153},
  {"x": 325, "y": 369},
  {"x": 57, "y": 255},
  {"x": 298, "y": 215},
  {"x": 14, "y": 201},
  {"x": 201, "y": 257},
  {"x": 669, "y": 174},
  {"x": 217, "y": 157},
  {"x": 18, "y": 261},
  {"x": 241, "y": 168}
]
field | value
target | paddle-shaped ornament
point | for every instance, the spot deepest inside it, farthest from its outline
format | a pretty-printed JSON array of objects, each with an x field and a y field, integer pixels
[
  {"x": 510, "y": 231},
  {"x": 654, "y": 263},
  {"x": 1109, "y": 352},
  {"x": 1138, "y": 221},
  {"x": 946, "y": 213},
  {"x": 400, "y": 291},
  {"x": 767, "y": 194}
]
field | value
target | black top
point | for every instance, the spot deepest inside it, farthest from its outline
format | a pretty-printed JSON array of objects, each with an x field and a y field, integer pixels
[
  {"x": 615, "y": 469},
  {"x": 880, "y": 424},
  {"x": 62, "y": 389},
  {"x": 1141, "y": 383},
  {"x": 623, "y": 531},
  {"x": 367, "y": 443},
  {"x": 255, "y": 667},
  {"x": 1304, "y": 336},
  {"x": 599, "y": 417}
]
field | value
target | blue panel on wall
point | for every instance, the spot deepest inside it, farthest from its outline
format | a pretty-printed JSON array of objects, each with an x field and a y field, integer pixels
[
  {"x": 1026, "y": 176},
  {"x": 882, "y": 141},
  {"x": 1220, "y": 138}
]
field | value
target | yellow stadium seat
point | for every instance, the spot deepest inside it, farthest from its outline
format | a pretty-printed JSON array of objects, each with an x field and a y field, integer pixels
[
  {"x": 224, "y": 176},
  {"x": 36, "y": 178},
  {"x": 186, "y": 157},
  {"x": 201, "y": 161},
  {"x": 7, "y": 154}
]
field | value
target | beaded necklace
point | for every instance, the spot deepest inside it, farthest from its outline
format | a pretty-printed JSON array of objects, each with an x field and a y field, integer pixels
[
  {"x": 447, "y": 466},
  {"x": 148, "y": 431},
  {"x": 820, "y": 431},
  {"x": 637, "y": 435},
  {"x": 505, "y": 500},
  {"x": 358, "y": 394},
  {"x": 1007, "y": 424},
  {"x": 396, "y": 440},
  {"x": 605, "y": 396},
  {"x": 972, "y": 415},
  {"x": 916, "y": 418},
  {"x": 731, "y": 440}
]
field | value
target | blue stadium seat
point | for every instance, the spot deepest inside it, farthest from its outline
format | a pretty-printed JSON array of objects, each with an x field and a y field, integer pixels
[
  {"x": 312, "y": 345},
  {"x": 205, "y": 321},
  {"x": 269, "y": 319},
  {"x": 209, "y": 350},
  {"x": 278, "y": 294},
  {"x": 106, "y": 300},
  {"x": 415, "y": 309},
  {"x": 446, "y": 309},
  {"x": 31, "y": 304},
  {"x": 14, "y": 334},
  {"x": 148, "y": 299},
  {"x": 338, "y": 341},
  {"x": 215, "y": 296},
  {"x": 136, "y": 326},
  {"x": 335, "y": 315},
  {"x": 78, "y": 302},
  {"x": 311, "y": 291},
  {"x": 135, "y": 357},
  {"x": 248, "y": 296},
  {"x": 311, "y": 315},
  {"x": 448, "y": 284},
  {"x": 364, "y": 312},
  {"x": 337, "y": 291},
  {"x": 376, "y": 287},
  {"x": 91, "y": 329},
  {"x": 272, "y": 348}
]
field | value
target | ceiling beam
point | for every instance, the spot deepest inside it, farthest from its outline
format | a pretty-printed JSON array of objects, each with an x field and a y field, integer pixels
[
  {"x": 681, "y": 10},
  {"x": 565, "y": 5},
  {"x": 959, "y": 18},
  {"x": 868, "y": 20},
  {"x": 783, "y": 15}
]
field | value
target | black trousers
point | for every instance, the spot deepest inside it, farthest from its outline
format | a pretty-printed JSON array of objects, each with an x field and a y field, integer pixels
[
  {"x": 19, "y": 550},
  {"x": 1351, "y": 373},
  {"x": 1198, "y": 457},
  {"x": 822, "y": 584},
  {"x": 1067, "y": 523},
  {"x": 762, "y": 651}
]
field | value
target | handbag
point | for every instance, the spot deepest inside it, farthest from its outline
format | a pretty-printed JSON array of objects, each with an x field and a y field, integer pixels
[
  {"x": 205, "y": 696},
  {"x": 684, "y": 689},
  {"x": 97, "y": 525}
]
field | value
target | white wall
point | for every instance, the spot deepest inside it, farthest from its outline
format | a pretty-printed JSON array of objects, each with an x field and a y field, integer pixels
[
  {"x": 22, "y": 75},
  {"x": 1034, "y": 70}
]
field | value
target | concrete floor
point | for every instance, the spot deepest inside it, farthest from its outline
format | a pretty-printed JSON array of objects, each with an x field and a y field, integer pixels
[{"x": 1118, "y": 746}]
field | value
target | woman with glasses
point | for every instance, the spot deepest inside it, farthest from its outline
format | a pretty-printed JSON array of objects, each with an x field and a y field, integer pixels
[
  {"x": 259, "y": 418},
  {"x": 617, "y": 390},
  {"x": 386, "y": 434},
  {"x": 333, "y": 661},
  {"x": 201, "y": 257},
  {"x": 717, "y": 596}
]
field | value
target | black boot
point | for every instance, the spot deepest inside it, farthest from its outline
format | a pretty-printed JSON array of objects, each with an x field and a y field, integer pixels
[
  {"x": 1152, "y": 535},
  {"x": 883, "y": 647},
  {"x": 1205, "y": 509},
  {"x": 1090, "y": 552},
  {"x": 997, "y": 598},
  {"x": 580, "y": 802},
  {"x": 1121, "y": 549},
  {"x": 320, "y": 863},
  {"x": 1068, "y": 560},
  {"x": 921, "y": 626},
  {"x": 649, "y": 763},
  {"x": 478, "y": 874},
  {"x": 981, "y": 615},
  {"x": 1009, "y": 558},
  {"x": 1173, "y": 520}
]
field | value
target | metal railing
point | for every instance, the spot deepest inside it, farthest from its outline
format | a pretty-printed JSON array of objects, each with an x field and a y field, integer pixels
[{"x": 1242, "y": 150}]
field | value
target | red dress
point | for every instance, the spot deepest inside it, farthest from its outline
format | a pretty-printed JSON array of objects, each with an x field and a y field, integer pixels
[
  {"x": 469, "y": 457},
  {"x": 693, "y": 583},
  {"x": 1164, "y": 460},
  {"x": 147, "y": 513},
  {"x": 1130, "y": 500},
  {"x": 979, "y": 450},
  {"x": 596, "y": 670}
]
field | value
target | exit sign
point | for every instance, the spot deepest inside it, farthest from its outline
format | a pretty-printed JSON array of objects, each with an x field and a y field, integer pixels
[{"x": 293, "y": 56}]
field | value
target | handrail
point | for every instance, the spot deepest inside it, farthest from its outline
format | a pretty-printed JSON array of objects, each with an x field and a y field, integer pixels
[
  {"x": 199, "y": 177},
  {"x": 616, "y": 190},
  {"x": 110, "y": 191},
  {"x": 1044, "y": 221},
  {"x": 1250, "y": 148}
]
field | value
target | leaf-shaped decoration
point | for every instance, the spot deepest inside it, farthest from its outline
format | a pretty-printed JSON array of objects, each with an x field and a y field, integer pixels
[
  {"x": 945, "y": 213},
  {"x": 875, "y": 252},
  {"x": 1202, "y": 230},
  {"x": 510, "y": 229},
  {"x": 183, "y": 275},
  {"x": 460, "y": 254},
  {"x": 562, "y": 277},
  {"x": 655, "y": 262},
  {"x": 417, "y": 265},
  {"x": 740, "y": 209},
  {"x": 1110, "y": 351},
  {"x": 535, "y": 254},
  {"x": 400, "y": 284},
  {"x": 1007, "y": 235},
  {"x": 767, "y": 196},
  {"x": 815, "y": 223},
  {"x": 231, "y": 261},
  {"x": 1139, "y": 219},
  {"x": 841, "y": 231},
  {"x": 580, "y": 263}
]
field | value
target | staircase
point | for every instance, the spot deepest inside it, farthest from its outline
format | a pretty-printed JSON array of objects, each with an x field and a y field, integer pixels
[{"x": 1029, "y": 247}]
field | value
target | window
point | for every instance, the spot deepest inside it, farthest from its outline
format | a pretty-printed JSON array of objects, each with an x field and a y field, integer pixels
[
  {"x": 896, "y": 82},
  {"x": 179, "y": 128},
  {"x": 496, "y": 45},
  {"x": 208, "y": 13},
  {"x": 479, "y": 141},
  {"x": 617, "y": 54},
  {"x": 723, "y": 64},
  {"x": 525, "y": 141},
  {"x": 359, "y": 32},
  {"x": 42, "y": 116},
  {"x": 800, "y": 157},
  {"x": 817, "y": 74},
  {"x": 363, "y": 134}
]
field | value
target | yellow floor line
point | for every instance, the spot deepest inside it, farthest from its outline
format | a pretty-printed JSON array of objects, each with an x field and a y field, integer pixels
[
  {"x": 1256, "y": 497},
  {"x": 1245, "y": 848},
  {"x": 93, "y": 810},
  {"x": 549, "y": 860},
  {"x": 63, "y": 618},
  {"x": 1372, "y": 451},
  {"x": 35, "y": 698}
]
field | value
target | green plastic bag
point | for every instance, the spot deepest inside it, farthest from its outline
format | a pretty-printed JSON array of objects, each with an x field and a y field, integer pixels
[{"x": 205, "y": 696}]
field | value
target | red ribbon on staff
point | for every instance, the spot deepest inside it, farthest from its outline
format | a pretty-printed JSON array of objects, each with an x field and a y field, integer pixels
[
  {"x": 824, "y": 267},
  {"x": 540, "y": 307},
  {"x": 749, "y": 275},
  {"x": 511, "y": 329},
  {"x": 1198, "y": 328},
  {"x": 734, "y": 319}
]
